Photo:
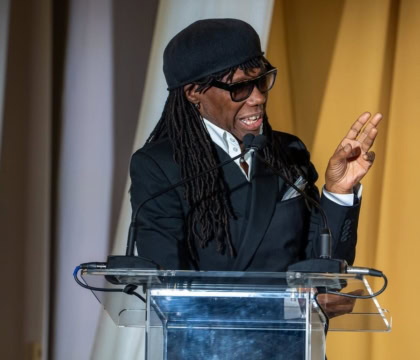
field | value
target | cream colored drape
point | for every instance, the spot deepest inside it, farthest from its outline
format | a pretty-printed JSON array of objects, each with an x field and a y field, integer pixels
[
  {"x": 337, "y": 59},
  {"x": 173, "y": 15}
]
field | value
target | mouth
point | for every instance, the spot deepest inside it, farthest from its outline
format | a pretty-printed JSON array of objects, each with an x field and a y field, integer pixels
[{"x": 252, "y": 122}]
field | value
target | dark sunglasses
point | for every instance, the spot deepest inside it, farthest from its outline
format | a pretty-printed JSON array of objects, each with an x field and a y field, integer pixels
[{"x": 241, "y": 90}]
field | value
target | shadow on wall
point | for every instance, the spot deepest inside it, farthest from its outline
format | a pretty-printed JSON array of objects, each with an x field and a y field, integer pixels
[{"x": 310, "y": 31}]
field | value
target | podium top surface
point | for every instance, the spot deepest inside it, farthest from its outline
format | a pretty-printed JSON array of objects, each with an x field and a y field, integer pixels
[
  {"x": 178, "y": 285},
  {"x": 154, "y": 278}
]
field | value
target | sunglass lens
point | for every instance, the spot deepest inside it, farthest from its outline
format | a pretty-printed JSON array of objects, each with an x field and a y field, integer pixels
[
  {"x": 266, "y": 82},
  {"x": 242, "y": 91}
]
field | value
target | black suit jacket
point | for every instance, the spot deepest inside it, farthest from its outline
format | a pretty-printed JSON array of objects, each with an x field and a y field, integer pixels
[{"x": 268, "y": 234}]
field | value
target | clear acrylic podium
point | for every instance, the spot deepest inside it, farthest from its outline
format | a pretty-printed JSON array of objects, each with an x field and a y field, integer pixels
[{"x": 212, "y": 315}]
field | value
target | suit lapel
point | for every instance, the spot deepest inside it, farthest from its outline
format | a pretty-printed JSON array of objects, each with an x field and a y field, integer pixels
[{"x": 265, "y": 189}]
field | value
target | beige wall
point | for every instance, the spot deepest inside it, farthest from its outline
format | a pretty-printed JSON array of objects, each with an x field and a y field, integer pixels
[{"x": 338, "y": 59}]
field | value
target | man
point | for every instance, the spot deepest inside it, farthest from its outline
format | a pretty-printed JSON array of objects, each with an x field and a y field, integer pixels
[{"x": 241, "y": 216}]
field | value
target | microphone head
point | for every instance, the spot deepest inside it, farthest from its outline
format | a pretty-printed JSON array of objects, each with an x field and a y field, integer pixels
[
  {"x": 260, "y": 141},
  {"x": 248, "y": 140}
]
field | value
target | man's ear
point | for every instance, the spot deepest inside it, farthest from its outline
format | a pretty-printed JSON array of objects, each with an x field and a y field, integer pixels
[{"x": 191, "y": 94}]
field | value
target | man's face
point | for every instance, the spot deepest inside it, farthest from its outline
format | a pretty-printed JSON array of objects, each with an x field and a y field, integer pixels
[{"x": 238, "y": 118}]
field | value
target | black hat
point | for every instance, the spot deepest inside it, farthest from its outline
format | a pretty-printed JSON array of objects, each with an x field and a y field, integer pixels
[{"x": 207, "y": 47}]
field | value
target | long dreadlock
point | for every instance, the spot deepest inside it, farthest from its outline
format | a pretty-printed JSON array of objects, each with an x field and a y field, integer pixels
[{"x": 194, "y": 152}]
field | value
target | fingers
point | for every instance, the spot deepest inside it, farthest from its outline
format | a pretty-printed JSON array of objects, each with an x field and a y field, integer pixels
[
  {"x": 363, "y": 119},
  {"x": 371, "y": 128},
  {"x": 357, "y": 126},
  {"x": 364, "y": 131},
  {"x": 368, "y": 141}
]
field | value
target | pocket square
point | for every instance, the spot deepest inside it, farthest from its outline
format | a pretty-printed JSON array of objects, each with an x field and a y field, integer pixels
[{"x": 292, "y": 193}]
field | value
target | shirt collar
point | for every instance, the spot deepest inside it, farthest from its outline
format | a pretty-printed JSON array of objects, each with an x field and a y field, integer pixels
[
  {"x": 220, "y": 136},
  {"x": 229, "y": 144}
]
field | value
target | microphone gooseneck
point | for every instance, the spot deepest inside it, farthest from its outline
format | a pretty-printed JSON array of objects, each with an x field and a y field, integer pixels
[{"x": 325, "y": 263}]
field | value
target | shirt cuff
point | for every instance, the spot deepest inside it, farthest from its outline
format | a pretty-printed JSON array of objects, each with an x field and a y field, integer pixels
[{"x": 344, "y": 199}]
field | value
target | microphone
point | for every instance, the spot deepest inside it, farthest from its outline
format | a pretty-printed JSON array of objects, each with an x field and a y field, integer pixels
[
  {"x": 131, "y": 261},
  {"x": 255, "y": 142},
  {"x": 324, "y": 263}
]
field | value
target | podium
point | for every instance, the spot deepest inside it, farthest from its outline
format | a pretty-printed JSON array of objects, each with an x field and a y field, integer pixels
[{"x": 192, "y": 315}]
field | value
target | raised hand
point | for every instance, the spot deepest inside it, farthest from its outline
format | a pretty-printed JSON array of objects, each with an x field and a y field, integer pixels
[{"x": 352, "y": 159}]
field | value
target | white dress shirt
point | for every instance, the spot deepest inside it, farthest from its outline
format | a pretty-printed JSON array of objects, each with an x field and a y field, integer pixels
[{"x": 231, "y": 146}]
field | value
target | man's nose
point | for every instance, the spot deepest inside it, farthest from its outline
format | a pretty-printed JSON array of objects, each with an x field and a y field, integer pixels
[{"x": 256, "y": 97}]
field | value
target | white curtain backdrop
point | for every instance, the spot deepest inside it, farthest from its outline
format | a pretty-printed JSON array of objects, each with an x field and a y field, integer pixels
[
  {"x": 173, "y": 15},
  {"x": 85, "y": 172}
]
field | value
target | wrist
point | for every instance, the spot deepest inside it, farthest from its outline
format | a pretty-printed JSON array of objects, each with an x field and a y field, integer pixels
[{"x": 336, "y": 189}]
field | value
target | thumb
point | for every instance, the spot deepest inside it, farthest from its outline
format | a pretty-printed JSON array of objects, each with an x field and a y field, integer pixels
[
  {"x": 348, "y": 152},
  {"x": 341, "y": 155}
]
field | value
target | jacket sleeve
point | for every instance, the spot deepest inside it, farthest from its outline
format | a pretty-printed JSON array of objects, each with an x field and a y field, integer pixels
[
  {"x": 160, "y": 231},
  {"x": 342, "y": 221}
]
